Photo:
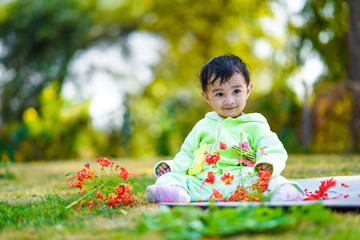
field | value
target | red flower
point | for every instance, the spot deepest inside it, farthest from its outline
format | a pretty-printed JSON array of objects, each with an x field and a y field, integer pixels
[
  {"x": 77, "y": 184},
  {"x": 124, "y": 193},
  {"x": 263, "y": 182},
  {"x": 120, "y": 190},
  {"x": 80, "y": 179},
  {"x": 129, "y": 188},
  {"x": 77, "y": 181},
  {"x": 124, "y": 174},
  {"x": 227, "y": 178},
  {"x": 210, "y": 178},
  {"x": 87, "y": 173},
  {"x": 99, "y": 195},
  {"x": 321, "y": 193},
  {"x": 223, "y": 145},
  {"x": 126, "y": 199},
  {"x": 262, "y": 151},
  {"x": 256, "y": 195},
  {"x": 91, "y": 203},
  {"x": 104, "y": 162},
  {"x": 113, "y": 200},
  {"x": 216, "y": 194},
  {"x": 311, "y": 197},
  {"x": 212, "y": 158},
  {"x": 87, "y": 165},
  {"x": 241, "y": 195},
  {"x": 346, "y": 196},
  {"x": 344, "y": 185}
]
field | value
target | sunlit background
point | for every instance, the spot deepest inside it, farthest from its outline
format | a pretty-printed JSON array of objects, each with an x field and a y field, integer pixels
[{"x": 82, "y": 79}]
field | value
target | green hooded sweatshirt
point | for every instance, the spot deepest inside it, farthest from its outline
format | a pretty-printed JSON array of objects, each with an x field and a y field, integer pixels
[{"x": 213, "y": 129}]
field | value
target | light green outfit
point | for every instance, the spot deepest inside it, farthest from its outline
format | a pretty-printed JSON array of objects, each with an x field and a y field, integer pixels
[{"x": 208, "y": 133}]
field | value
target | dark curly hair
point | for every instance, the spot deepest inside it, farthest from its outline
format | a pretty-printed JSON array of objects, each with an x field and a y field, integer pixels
[{"x": 223, "y": 67}]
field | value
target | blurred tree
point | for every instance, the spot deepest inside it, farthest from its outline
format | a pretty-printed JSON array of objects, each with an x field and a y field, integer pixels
[
  {"x": 54, "y": 132},
  {"x": 353, "y": 74},
  {"x": 194, "y": 33},
  {"x": 332, "y": 28},
  {"x": 38, "y": 38}
]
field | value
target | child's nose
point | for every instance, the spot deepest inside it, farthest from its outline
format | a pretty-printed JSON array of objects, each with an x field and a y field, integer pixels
[{"x": 229, "y": 100}]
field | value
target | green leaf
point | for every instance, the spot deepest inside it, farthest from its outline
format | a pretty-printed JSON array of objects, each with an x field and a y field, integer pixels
[{"x": 70, "y": 173}]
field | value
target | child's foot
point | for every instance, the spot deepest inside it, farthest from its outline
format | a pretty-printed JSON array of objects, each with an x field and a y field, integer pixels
[
  {"x": 167, "y": 194},
  {"x": 286, "y": 193}
]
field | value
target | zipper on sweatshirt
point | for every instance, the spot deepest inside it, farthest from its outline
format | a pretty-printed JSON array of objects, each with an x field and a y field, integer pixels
[{"x": 217, "y": 133}]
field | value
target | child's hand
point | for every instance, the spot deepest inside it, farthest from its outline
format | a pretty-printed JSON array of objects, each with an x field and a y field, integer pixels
[
  {"x": 162, "y": 169},
  {"x": 264, "y": 167}
]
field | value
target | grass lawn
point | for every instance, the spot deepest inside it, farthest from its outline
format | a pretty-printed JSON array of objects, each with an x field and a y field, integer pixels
[{"x": 32, "y": 206}]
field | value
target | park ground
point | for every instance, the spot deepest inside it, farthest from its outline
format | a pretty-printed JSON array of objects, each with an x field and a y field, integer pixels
[{"x": 35, "y": 199}]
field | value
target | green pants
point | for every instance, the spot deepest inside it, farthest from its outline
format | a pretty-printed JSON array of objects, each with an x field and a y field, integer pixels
[{"x": 200, "y": 191}]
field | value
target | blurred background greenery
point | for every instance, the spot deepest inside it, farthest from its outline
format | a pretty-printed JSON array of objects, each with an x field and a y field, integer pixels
[{"x": 105, "y": 77}]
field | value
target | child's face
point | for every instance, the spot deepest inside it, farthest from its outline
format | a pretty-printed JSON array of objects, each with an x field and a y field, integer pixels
[{"x": 229, "y": 98}]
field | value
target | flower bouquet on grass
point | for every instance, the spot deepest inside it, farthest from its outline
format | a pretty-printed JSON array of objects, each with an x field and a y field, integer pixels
[{"x": 109, "y": 189}]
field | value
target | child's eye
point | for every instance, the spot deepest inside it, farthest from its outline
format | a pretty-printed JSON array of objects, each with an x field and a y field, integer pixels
[
  {"x": 237, "y": 91},
  {"x": 219, "y": 94}
]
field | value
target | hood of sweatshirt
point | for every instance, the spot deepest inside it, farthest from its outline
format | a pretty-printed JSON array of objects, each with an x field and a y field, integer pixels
[{"x": 250, "y": 117}]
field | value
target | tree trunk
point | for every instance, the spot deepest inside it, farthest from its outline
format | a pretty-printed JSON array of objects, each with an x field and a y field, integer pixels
[
  {"x": 306, "y": 118},
  {"x": 353, "y": 76}
]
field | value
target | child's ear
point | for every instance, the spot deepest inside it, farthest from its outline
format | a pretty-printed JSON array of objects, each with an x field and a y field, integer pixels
[
  {"x": 249, "y": 88},
  {"x": 205, "y": 96}
]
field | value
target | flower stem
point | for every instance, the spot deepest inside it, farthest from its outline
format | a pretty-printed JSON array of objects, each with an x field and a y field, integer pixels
[{"x": 83, "y": 197}]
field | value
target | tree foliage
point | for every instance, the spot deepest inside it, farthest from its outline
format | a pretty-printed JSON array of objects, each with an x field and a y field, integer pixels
[
  {"x": 172, "y": 103},
  {"x": 39, "y": 38},
  {"x": 325, "y": 29},
  {"x": 331, "y": 29}
]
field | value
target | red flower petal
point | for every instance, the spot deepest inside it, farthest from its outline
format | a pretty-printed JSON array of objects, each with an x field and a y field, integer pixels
[
  {"x": 124, "y": 174},
  {"x": 223, "y": 145},
  {"x": 227, "y": 178},
  {"x": 212, "y": 158},
  {"x": 210, "y": 178},
  {"x": 321, "y": 193},
  {"x": 104, "y": 162},
  {"x": 217, "y": 194}
]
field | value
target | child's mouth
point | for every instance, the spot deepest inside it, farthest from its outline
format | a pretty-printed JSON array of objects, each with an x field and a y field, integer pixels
[{"x": 230, "y": 108}]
